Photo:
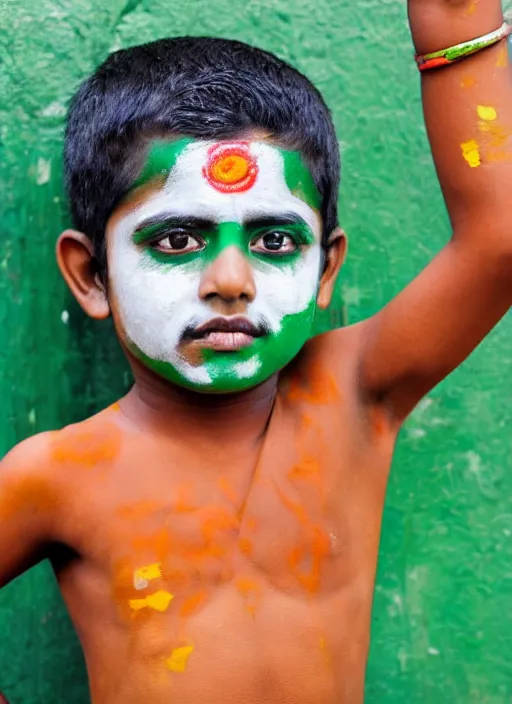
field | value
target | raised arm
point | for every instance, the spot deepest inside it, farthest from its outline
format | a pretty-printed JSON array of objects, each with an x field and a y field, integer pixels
[
  {"x": 27, "y": 508},
  {"x": 434, "y": 323}
]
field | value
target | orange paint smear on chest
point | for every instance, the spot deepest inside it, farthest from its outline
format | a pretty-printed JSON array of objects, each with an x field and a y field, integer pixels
[
  {"x": 250, "y": 590},
  {"x": 218, "y": 520},
  {"x": 192, "y": 603},
  {"x": 87, "y": 447},
  {"x": 139, "y": 510},
  {"x": 305, "y": 560},
  {"x": 184, "y": 502},
  {"x": 308, "y": 471},
  {"x": 316, "y": 386},
  {"x": 227, "y": 489}
]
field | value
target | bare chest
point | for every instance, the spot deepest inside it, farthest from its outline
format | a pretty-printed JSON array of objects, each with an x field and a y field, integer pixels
[{"x": 300, "y": 515}]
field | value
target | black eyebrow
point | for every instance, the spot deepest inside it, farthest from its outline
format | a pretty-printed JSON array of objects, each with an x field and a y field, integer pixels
[
  {"x": 276, "y": 220},
  {"x": 189, "y": 222}
]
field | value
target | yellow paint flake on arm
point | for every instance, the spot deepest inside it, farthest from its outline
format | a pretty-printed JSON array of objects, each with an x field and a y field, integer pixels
[
  {"x": 471, "y": 153},
  {"x": 486, "y": 112},
  {"x": 179, "y": 657},
  {"x": 159, "y": 601}
]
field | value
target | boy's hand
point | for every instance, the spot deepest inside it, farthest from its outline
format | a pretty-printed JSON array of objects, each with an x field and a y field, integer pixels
[{"x": 433, "y": 325}]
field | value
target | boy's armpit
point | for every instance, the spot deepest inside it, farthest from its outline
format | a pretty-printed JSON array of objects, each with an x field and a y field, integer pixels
[{"x": 28, "y": 506}]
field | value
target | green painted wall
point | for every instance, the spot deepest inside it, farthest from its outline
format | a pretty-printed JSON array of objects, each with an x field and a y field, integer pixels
[{"x": 442, "y": 625}]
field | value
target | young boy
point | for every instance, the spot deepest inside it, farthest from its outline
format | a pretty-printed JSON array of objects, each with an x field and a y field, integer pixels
[{"x": 215, "y": 533}]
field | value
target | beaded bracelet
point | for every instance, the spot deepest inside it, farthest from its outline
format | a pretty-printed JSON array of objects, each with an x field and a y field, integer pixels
[{"x": 445, "y": 57}]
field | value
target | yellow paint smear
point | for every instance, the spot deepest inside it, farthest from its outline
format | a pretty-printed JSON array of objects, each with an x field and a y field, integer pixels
[
  {"x": 471, "y": 7},
  {"x": 471, "y": 153},
  {"x": 502, "y": 58},
  {"x": 486, "y": 112},
  {"x": 143, "y": 575},
  {"x": 149, "y": 572},
  {"x": 159, "y": 601},
  {"x": 498, "y": 156},
  {"x": 138, "y": 604},
  {"x": 179, "y": 658},
  {"x": 496, "y": 135}
]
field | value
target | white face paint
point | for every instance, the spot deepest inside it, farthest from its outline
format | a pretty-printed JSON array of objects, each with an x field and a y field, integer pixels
[{"x": 157, "y": 301}]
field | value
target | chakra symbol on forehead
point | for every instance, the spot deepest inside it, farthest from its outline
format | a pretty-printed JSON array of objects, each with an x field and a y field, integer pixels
[{"x": 231, "y": 168}]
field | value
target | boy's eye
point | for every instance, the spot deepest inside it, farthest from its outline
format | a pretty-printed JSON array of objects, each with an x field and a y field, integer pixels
[
  {"x": 178, "y": 242},
  {"x": 274, "y": 243}
]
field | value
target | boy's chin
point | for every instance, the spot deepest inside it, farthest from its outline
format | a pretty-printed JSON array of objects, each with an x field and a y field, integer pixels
[{"x": 207, "y": 379}]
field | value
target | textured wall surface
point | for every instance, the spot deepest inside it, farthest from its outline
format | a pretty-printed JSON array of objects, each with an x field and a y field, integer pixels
[{"x": 442, "y": 624}]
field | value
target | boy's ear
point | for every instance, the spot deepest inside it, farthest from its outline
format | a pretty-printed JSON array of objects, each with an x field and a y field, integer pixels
[
  {"x": 334, "y": 257},
  {"x": 75, "y": 257}
]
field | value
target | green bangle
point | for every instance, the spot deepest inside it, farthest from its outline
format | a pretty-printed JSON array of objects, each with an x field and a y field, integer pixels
[{"x": 445, "y": 57}]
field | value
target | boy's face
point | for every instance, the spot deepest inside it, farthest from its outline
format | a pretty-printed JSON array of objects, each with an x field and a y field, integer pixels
[{"x": 214, "y": 262}]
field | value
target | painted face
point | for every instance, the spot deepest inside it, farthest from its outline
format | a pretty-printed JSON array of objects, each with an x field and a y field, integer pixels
[{"x": 215, "y": 274}]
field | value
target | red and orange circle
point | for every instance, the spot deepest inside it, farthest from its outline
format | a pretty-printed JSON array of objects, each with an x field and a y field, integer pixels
[{"x": 231, "y": 168}]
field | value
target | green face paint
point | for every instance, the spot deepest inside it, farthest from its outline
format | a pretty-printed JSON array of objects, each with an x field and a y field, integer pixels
[{"x": 255, "y": 198}]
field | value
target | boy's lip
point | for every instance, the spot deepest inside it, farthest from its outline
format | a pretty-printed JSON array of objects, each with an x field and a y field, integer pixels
[{"x": 224, "y": 334}]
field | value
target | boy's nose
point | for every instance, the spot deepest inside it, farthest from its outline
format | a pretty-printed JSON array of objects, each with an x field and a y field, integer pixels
[{"x": 229, "y": 277}]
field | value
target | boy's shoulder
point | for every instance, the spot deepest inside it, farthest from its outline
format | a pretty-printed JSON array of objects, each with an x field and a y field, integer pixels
[{"x": 41, "y": 458}]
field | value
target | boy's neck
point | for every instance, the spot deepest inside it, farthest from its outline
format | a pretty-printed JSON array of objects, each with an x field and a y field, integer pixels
[{"x": 157, "y": 405}]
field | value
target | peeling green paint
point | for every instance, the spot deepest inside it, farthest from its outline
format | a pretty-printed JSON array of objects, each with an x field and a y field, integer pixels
[{"x": 442, "y": 624}]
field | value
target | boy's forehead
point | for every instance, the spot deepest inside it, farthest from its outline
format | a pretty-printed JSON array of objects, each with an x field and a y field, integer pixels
[{"x": 231, "y": 180}]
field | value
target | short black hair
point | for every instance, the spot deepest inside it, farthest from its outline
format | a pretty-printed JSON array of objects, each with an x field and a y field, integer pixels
[{"x": 192, "y": 86}]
